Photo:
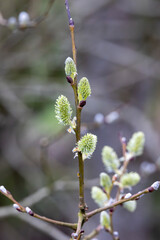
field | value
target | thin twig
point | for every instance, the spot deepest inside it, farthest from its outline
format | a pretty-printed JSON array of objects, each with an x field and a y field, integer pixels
[
  {"x": 22, "y": 209},
  {"x": 43, "y": 17},
  {"x": 119, "y": 202},
  {"x": 94, "y": 233},
  {"x": 44, "y": 227},
  {"x": 124, "y": 167},
  {"x": 31, "y": 24}
]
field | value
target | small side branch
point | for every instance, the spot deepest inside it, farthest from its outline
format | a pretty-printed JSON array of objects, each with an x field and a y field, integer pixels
[
  {"x": 119, "y": 202},
  {"x": 27, "y": 210},
  {"x": 94, "y": 233}
]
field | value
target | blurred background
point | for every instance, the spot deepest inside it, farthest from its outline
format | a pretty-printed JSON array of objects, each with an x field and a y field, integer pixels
[{"x": 118, "y": 50}]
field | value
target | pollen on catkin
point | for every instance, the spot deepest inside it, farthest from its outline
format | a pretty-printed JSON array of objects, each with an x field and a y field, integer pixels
[
  {"x": 63, "y": 110},
  {"x": 87, "y": 145}
]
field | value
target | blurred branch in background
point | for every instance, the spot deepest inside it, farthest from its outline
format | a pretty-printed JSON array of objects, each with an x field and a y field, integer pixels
[{"x": 24, "y": 21}]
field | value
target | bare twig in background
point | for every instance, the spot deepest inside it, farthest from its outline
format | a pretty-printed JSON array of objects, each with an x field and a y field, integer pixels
[
  {"x": 44, "y": 227},
  {"x": 94, "y": 233},
  {"x": 44, "y": 192},
  {"x": 27, "y": 210},
  {"x": 32, "y": 23}
]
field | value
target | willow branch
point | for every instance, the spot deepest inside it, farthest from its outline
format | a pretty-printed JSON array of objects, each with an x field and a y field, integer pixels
[
  {"x": 125, "y": 164},
  {"x": 22, "y": 209},
  {"x": 78, "y": 113},
  {"x": 94, "y": 233},
  {"x": 119, "y": 202}
]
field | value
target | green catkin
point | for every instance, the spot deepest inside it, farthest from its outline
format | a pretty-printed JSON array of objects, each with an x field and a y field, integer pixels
[
  {"x": 63, "y": 110},
  {"x": 84, "y": 89}
]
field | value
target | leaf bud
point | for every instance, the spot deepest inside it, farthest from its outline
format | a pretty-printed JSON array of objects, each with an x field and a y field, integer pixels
[
  {"x": 110, "y": 159},
  {"x": 82, "y": 103},
  {"x": 16, "y": 206},
  {"x": 69, "y": 80},
  {"x": 98, "y": 196},
  {"x": 105, "y": 220},
  {"x": 3, "y": 189},
  {"x": 155, "y": 185},
  {"x": 136, "y": 144},
  {"x": 29, "y": 211},
  {"x": 128, "y": 195},
  {"x": 130, "y": 179},
  {"x": 70, "y": 68},
  {"x": 130, "y": 205},
  {"x": 105, "y": 181}
]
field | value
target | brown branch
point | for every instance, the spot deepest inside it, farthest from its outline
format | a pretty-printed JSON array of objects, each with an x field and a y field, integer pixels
[
  {"x": 94, "y": 233},
  {"x": 81, "y": 214},
  {"x": 27, "y": 210},
  {"x": 119, "y": 202},
  {"x": 78, "y": 113}
]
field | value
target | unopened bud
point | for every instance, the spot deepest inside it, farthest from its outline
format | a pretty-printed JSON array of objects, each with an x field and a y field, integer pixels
[
  {"x": 114, "y": 178},
  {"x": 74, "y": 235},
  {"x": 99, "y": 118},
  {"x": 123, "y": 139},
  {"x": 23, "y": 19},
  {"x": 69, "y": 80},
  {"x": 3, "y": 189},
  {"x": 155, "y": 185},
  {"x": 111, "y": 210},
  {"x": 128, "y": 195},
  {"x": 16, "y": 206},
  {"x": 29, "y": 211},
  {"x": 12, "y": 23},
  {"x": 116, "y": 235},
  {"x": 82, "y": 104},
  {"x": 71, "y": 22}
]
